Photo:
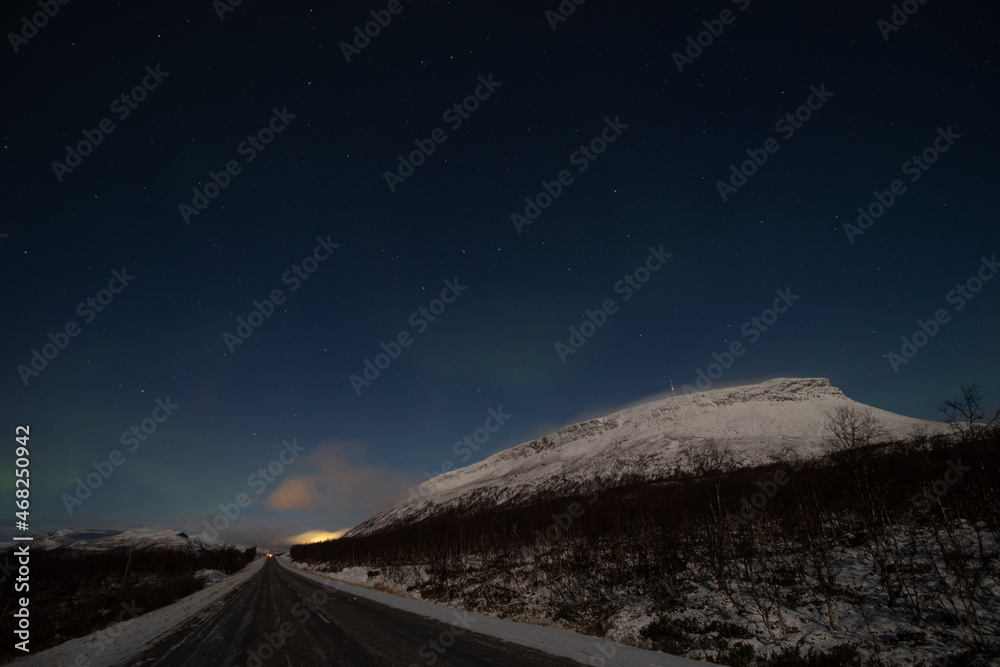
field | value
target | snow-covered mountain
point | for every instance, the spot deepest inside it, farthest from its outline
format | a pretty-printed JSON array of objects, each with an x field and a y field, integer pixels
[
  {"x": 756, "y": 422},
  {"x": 107, "y": 540}
]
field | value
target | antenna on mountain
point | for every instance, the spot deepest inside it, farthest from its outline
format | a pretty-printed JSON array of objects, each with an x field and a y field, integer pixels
[{"x": 671, "y": 386}]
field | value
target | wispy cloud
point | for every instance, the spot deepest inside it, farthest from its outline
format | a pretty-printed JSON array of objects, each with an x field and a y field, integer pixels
[{"x": 326, "y": 479}]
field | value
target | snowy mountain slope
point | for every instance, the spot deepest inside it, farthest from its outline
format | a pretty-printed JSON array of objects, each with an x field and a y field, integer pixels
[
  {"x": 643, "y": 442},
  {"x": 106, "y": 540}
]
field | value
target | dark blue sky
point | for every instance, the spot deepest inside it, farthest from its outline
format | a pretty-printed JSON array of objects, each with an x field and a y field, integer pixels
[{"x": 593, "y": 121}]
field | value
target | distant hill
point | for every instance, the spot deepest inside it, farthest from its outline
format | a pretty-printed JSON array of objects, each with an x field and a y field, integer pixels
[{"x": 94, "y": 541}]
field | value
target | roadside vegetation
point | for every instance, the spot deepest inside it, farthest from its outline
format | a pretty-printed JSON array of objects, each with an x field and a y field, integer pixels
[
  {"x": 879, "y": 552},
  {"x": 73, "y": 594}
]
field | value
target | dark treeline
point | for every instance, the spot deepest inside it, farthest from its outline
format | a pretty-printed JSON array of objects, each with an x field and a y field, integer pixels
[
  {"x": 74, "y": 593},
  {"x": 923, "y": 514}
]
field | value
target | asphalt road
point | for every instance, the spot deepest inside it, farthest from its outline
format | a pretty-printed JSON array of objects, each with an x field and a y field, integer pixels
[{"x": 279, "y": 618}]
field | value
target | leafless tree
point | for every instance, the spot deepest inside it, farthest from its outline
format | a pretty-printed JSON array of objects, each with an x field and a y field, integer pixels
[
  {"x": 852, "y": 429},
  {"x": 919, "y": 436},
  {"x": 965, "y": 416},
  {"x": 708, "y": 457}
]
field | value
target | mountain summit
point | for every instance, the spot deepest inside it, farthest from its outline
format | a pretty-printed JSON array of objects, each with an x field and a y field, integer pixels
[{"x": 644, "y": 442}]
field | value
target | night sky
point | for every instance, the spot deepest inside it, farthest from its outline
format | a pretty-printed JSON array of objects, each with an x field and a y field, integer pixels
[{"x": 216, "y": 216}]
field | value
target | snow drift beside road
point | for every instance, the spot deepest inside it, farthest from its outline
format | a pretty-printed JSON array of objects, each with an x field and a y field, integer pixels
[
  {"x": 124, "y": 640},
  {"x": 554, "y": 641}
]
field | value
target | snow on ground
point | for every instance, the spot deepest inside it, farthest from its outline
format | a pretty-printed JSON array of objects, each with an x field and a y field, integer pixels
[
  {"x": 583, "y": 648},
  {"x": 211, "y": 576},
  {"x": 127, "y": 639},
  {"x": 858, "y": 606},
  {"x": 123, "y": 640}
]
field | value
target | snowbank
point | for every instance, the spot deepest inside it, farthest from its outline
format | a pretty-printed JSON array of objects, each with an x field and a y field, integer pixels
[
  {"x": 588, "y": 650},
  {"x": 123, "y": 640}
]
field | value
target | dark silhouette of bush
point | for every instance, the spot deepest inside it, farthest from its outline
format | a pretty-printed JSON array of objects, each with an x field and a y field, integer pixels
[{"x": 73, "y": 593}]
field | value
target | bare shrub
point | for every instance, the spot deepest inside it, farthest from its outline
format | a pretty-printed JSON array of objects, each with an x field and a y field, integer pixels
[
  {"x": 852, "y": 429},
  {"x": 708, "y": 458},
  {"x": 965, "y": 416}
]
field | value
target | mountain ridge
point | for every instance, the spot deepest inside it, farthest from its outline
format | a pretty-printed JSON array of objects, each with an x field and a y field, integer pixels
[
  {"x": 93, "y": 540},
  {"x": 757, "y": 423}
]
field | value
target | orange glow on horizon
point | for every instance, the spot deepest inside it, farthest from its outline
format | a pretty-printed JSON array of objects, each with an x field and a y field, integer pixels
[{"x": 315, "y": 536}]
